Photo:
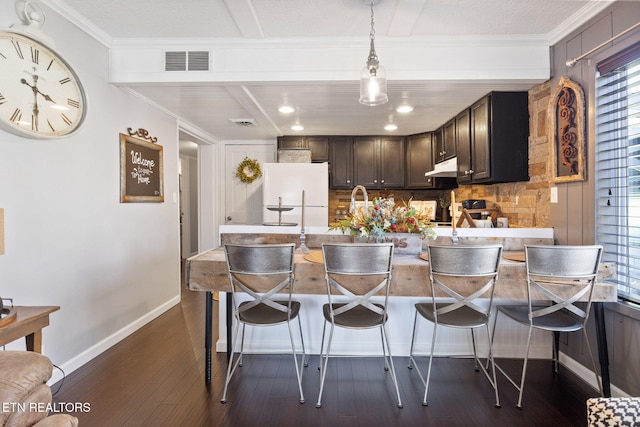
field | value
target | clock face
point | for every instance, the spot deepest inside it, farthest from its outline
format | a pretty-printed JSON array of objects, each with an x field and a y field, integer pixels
[{"x": 40, "y": 95}]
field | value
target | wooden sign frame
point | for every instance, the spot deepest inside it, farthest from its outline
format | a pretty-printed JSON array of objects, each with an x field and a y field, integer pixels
[{"x": 141, "y": 171}]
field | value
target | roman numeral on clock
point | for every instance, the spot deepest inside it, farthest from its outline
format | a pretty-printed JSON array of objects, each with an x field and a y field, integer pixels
[
  {"x": 2, "y": 99},
  {"x": 35, "y": 55},
  {"x": 65, "y": 80},
  {"x": 16, "y": 116},
  {"x": 50, "y": 64},
  {"x": 73, "y": 103},
  {"x": 66, "y": 119},
  {"x": 50, "y": 126},
  {"x": 16, "y": 45}
]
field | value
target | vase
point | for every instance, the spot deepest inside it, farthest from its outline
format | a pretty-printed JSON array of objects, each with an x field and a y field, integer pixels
[
  {"x": 445, "y": 215},
  {"x": 403, "y": 243}
]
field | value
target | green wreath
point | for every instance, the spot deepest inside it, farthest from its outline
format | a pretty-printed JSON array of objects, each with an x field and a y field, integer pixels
[{"x": 248, "y": 170}]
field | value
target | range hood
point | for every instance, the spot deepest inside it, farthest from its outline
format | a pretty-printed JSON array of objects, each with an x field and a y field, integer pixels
[{"x": 448, "y": 168}]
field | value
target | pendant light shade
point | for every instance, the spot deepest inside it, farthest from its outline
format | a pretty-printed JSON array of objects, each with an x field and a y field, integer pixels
[
  {"x": 373, "y": 85},
  {"x": 373, "y": 78}
]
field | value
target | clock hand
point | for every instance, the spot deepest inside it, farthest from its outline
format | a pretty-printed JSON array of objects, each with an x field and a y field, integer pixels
[
  {"x": 35, "y": 115},
  {"x": 36, "y": 110},
  {"x": 35, "y": 90}
]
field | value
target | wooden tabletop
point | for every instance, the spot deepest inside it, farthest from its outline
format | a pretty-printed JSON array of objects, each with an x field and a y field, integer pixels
[
  {"x": 410, "y": 277},
  {"x": 28, "y": 322}
]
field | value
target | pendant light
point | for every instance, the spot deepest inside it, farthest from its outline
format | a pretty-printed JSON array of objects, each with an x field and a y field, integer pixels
[{"x": 373, "y": 78}]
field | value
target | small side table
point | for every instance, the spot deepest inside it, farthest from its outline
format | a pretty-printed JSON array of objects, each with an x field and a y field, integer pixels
[{"x": 28, "y": 323}]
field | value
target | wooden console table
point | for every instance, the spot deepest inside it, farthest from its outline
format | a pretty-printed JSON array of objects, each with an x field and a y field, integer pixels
[{"x": 28, "y": 323}]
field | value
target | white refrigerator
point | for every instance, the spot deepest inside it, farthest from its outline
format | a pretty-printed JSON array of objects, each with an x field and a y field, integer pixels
[{"x": 282, "y": 190}]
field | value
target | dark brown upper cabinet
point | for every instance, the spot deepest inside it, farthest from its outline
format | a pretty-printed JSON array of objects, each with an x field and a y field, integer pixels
[
  {"x": 341, "y": 162},
  {"x": 419, "y": 160},
  {"x": 379, "y": 162},
  {"x": 445, "y": 142},
  {"x": 463, "y": 146},
  {"x": 498, "y": 140},
  {"x": 319, "y": 145}
]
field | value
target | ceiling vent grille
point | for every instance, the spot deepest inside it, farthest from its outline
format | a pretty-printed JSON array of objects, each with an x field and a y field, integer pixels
[
  {"x": 244, "y": 122},
  {"x": 175, "y": 61},
  {"x": 187, "y": 61},
  {"x": 199, "y": 60}
]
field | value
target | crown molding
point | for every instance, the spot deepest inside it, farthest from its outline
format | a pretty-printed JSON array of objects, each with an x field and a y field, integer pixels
[
  {"x": 79, "y": 20},
  {"x": 578, "y": 19},
  {"x": 329, "y": 42}
]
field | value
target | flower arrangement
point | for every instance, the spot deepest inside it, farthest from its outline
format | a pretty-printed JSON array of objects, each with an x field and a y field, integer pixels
[
  {"x": 444, "y": 201},
  {"x": 384, "y": 216}
]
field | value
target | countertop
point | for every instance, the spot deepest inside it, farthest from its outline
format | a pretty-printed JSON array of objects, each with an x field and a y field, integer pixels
[{"x": 537, "y": 233}]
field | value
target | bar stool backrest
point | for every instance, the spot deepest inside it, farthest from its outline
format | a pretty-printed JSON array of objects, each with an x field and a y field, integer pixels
[
  {"x": 561, "y": 275},
  {"x": 358, "y": 272},
  {"x": 261, "y": 271},
  {"x": 464, "y": 273}
]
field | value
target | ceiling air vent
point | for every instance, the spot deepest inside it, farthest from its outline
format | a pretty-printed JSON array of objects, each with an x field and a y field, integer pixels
[
  {"x": 187, "y": 61},
  {"x": 244, "y": 122},
  {"x": 175, "y": 61},
  {"x": 199, "y": 60}
]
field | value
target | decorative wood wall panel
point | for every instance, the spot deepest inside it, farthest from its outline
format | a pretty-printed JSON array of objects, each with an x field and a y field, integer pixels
[{"x": 567, "y": 124}]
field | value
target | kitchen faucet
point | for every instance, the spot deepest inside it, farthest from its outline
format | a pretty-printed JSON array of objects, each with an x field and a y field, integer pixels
[{"x": 352, "y": 206}]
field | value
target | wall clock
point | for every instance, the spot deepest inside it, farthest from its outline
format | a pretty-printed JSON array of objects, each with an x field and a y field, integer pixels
[{"x": 40, "y": 94}]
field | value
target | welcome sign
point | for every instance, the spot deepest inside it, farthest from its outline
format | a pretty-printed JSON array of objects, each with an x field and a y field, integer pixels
[{"x": 141, "y": 172}]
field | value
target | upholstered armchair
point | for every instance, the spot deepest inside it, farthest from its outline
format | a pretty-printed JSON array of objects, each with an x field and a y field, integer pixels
[
  {"x": 24, "y": 393},
  {"x": 613, "y": 411}
]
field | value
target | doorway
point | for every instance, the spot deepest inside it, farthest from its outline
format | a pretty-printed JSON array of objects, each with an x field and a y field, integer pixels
[
  {"x": 243, "y": 201},
  {"x": 188, "y": 187}
]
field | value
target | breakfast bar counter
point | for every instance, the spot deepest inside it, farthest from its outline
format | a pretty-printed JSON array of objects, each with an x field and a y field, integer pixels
[
  {"x": 409, "y": 276},
  {"x": 207, "y": 272}
]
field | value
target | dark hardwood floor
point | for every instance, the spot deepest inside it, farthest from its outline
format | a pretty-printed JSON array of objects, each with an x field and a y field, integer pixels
[{"x": 155, "y": 377}]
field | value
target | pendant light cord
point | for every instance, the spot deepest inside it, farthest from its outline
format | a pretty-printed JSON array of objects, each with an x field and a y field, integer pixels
[
  {"x": 372, "y": 61},
  {"x": 372, "y": 33}
]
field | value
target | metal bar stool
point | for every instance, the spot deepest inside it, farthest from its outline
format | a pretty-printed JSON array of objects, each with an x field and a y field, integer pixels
[
  {"x": 462, "y": 274},
  {"x": 262, "y": 271},
  {"x": 355, "y": 273},
  {"x": 557, "y": 278}
]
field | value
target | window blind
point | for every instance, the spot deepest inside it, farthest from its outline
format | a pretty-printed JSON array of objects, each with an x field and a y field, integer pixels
[{"x": 618, "y": 173}]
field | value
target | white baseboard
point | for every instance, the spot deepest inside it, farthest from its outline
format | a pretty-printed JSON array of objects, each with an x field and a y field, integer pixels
[
  {"x": 373, "y": 348},
  {"x": 588, "y": 376},
  {"x": 100, "y": 347}
]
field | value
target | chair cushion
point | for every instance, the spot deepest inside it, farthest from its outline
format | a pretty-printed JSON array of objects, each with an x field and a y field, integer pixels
[
  {"x": 262, "y": 314},
  {"x": 561, "y": 321},
  {"x": 463, "y": 317},
  {"x": 357, "y": 317},
  {"x": 58, "y": 420},
  {"x": 613, "y": 411},
  {"x": 23, "y": 377}
]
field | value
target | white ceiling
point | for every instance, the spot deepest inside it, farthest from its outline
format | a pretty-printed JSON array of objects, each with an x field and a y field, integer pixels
[{"x": 328, "y": 107}]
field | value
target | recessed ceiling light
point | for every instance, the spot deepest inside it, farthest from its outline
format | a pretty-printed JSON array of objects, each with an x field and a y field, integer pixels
[
  {"x": 286, "y": 109},
  {"x": 404, "y": 109},
  {"x": 297, "y": 127},
  {"x": 390, "y": 127}
]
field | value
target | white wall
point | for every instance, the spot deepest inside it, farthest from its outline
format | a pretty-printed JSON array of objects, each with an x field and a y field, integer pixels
[{"x": 69, "y": 241}]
